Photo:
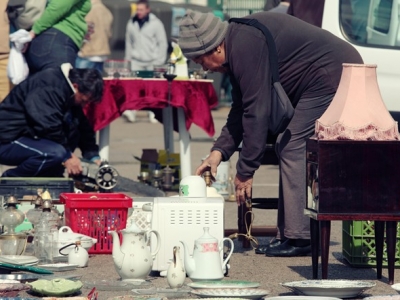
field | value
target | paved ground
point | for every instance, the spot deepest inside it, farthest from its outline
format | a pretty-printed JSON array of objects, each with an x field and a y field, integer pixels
[{"x": 128, "y": 140}]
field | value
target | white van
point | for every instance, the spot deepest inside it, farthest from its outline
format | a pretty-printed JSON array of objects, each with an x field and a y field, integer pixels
[{"x": 371, "y": 26}]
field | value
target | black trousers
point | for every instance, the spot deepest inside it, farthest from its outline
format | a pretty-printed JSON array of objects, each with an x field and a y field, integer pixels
[{"x": 33, "y": 158}]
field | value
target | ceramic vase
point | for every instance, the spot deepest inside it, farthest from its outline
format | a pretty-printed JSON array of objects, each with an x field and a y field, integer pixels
[{"x": 176, "y": 272}]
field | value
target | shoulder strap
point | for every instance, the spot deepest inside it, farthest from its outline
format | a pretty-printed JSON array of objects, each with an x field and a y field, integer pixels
[{"x": 273, "y": 54}]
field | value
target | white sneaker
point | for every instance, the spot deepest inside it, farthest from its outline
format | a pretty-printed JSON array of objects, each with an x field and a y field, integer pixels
[
  {"x": 152, "y": 118},
  {"x": 129, "y": 115}
]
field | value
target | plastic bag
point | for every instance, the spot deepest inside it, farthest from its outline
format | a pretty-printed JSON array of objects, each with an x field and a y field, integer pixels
[{"x": 17, "y": 68}]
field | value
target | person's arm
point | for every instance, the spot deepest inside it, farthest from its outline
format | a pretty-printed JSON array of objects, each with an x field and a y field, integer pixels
[
  {"x": 162, "y": 42},
  {"x": 109, "y": 28},
  {"x": 87, "y": 141},
  {"x": 54, "y": 12},
  {"x": 128, "y": 40},
  {"x": 249, "y": 64}
]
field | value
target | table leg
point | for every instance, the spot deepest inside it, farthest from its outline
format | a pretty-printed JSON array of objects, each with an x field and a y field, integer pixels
[
  {"x": 391, "y": 232},
  {"x": 325, "y": 238},
  {"x": 379, "y": 233},
  {"x": 184, "y": 145},
  {"x": 104, "y": 143},
  {"x": 314, "y": 230},
  {"x": 168, "y": 129}
]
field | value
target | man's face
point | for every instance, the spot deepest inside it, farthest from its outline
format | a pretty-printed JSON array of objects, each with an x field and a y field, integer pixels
[
  {"x": 79, "y": 98},
  {"x": 142, "y": 11},
  {"x": 212, "y": 61}
]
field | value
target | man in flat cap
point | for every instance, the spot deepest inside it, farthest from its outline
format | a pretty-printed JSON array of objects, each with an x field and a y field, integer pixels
[{"x": 310, "y": 66}]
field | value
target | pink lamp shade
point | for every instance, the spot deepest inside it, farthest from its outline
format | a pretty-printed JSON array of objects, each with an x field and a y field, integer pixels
[{"x": 357, "y": 111}]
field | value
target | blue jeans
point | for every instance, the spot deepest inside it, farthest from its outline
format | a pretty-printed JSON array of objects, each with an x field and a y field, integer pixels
[
  {"x": 83, "y": 63},
  {"x": 50, "y": 49},
  {"x": 33, "y": 158}
]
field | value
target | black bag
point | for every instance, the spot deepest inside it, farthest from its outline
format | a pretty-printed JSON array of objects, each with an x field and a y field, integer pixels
[{"x": 281, "y": 109}]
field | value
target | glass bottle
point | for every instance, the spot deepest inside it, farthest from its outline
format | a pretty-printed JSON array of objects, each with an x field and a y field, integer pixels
[
  {"x": 33, "y": 215},
  {"x": 46, "y": 234},
  {"x": 11, "y": 216}
]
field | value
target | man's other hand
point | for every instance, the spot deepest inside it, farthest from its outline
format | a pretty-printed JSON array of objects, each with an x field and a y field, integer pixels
[{"x": 73, "y": 165}]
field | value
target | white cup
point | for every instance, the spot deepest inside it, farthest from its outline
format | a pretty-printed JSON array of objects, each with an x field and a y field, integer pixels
[{"x": 192, "y": 186}]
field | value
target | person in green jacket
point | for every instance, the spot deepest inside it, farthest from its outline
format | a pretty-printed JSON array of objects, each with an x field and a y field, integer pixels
[{"x": 57, "y": 35}]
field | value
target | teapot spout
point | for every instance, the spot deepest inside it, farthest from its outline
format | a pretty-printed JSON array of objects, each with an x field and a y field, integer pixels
[
  {"x": 117, "y": 254},
  {"x": 190, "y": 265}
]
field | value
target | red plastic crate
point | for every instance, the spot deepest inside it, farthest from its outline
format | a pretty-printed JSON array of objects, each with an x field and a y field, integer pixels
[{"x": 94, "y": 214}]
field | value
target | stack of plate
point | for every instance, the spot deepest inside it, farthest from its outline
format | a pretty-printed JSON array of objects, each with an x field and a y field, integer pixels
[{"x": 237, "y": 289}]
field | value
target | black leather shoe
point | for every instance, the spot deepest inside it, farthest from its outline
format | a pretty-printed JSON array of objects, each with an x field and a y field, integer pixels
[
  {"x": 263, "y": 248},
  {"x": 286, "y": 249}
]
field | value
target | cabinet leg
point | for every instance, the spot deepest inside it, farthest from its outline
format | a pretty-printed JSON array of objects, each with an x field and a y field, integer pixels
[
  {"x": 379, "y": 233},
  {"x": 325, "y": 238},
  {"x": 314, "y": 231},
  {"x": 391, "y": 231}
]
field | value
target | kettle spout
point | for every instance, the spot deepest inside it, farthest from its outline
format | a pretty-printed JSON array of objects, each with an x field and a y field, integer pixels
[
  {"x": 117, "y": 254},
  {"x": 190, "y": 265}
]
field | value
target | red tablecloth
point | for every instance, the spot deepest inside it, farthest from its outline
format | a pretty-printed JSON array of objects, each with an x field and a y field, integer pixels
[{"x": 197, "y": 98}]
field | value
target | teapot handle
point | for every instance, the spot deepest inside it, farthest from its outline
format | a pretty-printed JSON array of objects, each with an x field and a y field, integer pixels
[
  {"x": 221, "y": 247},
  {"x": 153, "y": 254}
]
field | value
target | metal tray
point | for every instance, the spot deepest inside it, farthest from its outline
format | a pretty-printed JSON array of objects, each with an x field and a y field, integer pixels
[
  {"x": 32, "y": 277},
  {"x": 21, "y": 277}
]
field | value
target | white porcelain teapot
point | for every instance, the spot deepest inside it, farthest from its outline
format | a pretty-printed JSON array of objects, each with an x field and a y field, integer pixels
[
  {"x": 205, "y": 263},
  {"x": 133, "y": 259}
]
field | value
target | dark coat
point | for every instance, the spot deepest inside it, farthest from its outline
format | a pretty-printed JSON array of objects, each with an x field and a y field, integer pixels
[
  {"x": 310, "y": 65},
  {"x": 42, "y": 106}
]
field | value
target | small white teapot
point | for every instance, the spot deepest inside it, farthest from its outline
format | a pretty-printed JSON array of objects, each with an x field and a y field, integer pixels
[
  {"x": 77, "y": 256},
  {"x": 205, "y": 263}
]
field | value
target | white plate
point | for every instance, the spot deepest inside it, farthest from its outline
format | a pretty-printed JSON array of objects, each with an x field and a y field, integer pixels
[
  {"x": 19, "y": 259},
  {"x": 301, "y": 298},
  {"x": 383, "y": 297},
  {"x": 396, "y": 287},
  {"x": 58, "y": 267},
  {"x": 334, "y": 288},
  {"x": 231, "y": 293},
  {"x": 220, "y": 284},
  {"x": 217, "y": 299}
]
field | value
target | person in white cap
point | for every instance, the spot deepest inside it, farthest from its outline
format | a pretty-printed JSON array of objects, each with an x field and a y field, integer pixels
[{"x": 310, "y": 65}]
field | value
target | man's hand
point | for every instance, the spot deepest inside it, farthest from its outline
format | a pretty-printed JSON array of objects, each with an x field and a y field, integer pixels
[
  {"x": 26, "y": 45},
  {"x": 73, "y": 165},
  {"x": 97, "y": 162},
  {"x": 243, "y": 188},
  {"x": 210, "y": 164}
]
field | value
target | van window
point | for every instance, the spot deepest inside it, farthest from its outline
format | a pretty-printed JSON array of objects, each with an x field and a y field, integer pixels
[{"x": 372, "y": 23}]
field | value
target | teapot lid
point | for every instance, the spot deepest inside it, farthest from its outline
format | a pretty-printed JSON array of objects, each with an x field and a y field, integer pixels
[
  {"x": 206, "y": 236},
  {"x": 133, "y": 228}
]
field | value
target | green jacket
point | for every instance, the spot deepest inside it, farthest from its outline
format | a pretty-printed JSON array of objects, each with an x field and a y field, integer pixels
[{"x": 67, "y": 16}]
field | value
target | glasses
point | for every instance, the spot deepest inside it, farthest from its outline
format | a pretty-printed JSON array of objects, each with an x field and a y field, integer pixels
[{"x": 117, "y": 68}]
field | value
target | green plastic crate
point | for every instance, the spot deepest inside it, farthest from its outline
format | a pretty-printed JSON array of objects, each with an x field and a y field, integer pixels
[{"x": 358, "y": 244}]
